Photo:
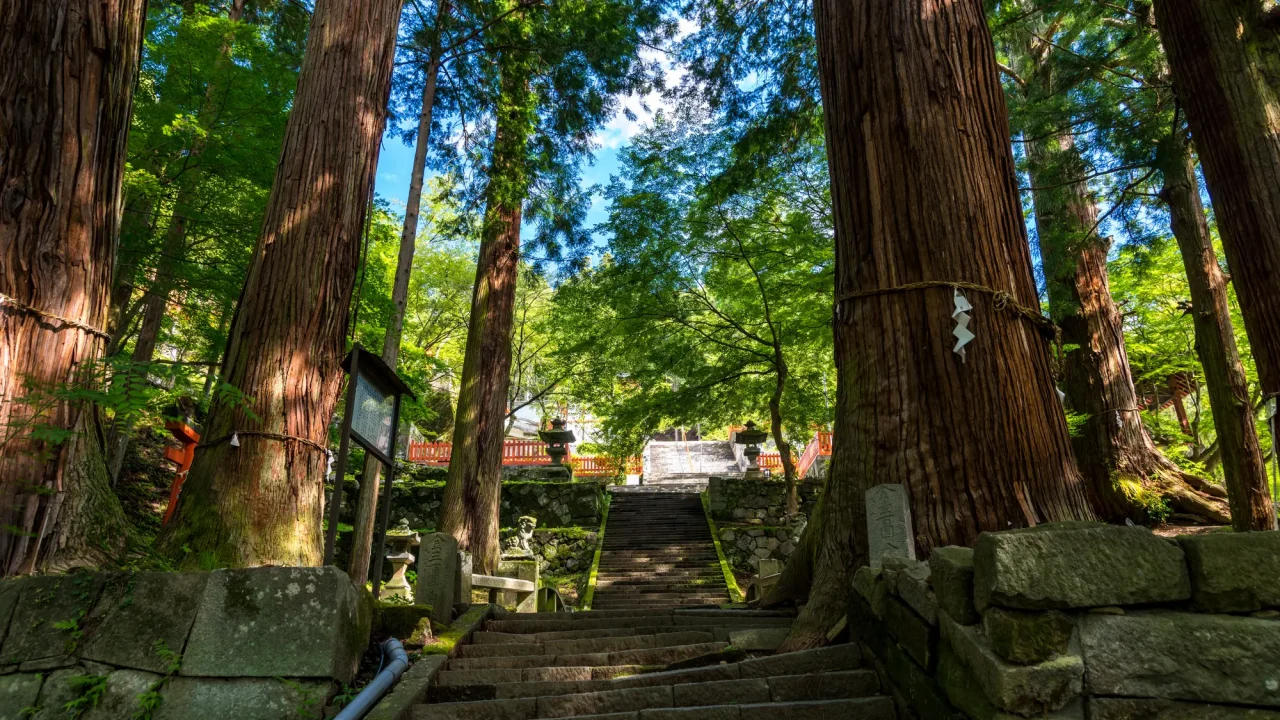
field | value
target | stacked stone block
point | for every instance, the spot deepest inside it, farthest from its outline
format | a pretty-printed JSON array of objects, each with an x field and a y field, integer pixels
[
  {"x": 555, "y": 504},
  {"x": 757, "y": 502},
  {"x": 254, "y": 644},
  {"x": 1079, "y": 620}
]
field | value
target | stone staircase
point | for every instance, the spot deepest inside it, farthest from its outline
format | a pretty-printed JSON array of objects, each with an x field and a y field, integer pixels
[
  {"x": 657, "y": 551},
  {"x": 688, "y": 463},
  {"x": 615, "y": 664}
]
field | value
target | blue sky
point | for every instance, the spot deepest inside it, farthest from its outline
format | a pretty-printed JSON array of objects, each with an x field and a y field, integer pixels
[{"x": 395, "y": 163}]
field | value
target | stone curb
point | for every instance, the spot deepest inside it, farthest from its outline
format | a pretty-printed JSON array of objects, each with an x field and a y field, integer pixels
[
  {"x": 412, "y": 687},
  {"x": 590, "y": 593},
  {"x": 735, "y": 594}
]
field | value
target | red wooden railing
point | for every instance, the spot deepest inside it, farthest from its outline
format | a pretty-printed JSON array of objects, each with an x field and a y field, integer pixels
[
  {"x": 771, "y": 461},
  {"x": 430, "y": 453},
  {"x": 603, "y": 466},
  {"x": 819, "y": 446},
  {"x": 525, "y": 452}
]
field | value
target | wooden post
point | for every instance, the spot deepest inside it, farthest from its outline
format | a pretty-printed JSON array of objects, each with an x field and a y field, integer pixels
[{"x": 335, "y": 509}]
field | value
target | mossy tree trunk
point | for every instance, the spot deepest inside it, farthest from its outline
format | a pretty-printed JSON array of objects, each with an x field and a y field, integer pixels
[
  {"x": 1225, "y": 60},
  {"x": 70, "y": 70},
  {"x": 923, "y": 189},
  {"x": 1233, "y": 418},
  {"x": 1128, "y": 477},
  {"x": 261, "y": 503},
  {"x": 473, "y": 487}
]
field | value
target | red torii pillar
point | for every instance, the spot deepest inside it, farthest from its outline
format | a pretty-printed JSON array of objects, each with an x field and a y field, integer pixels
[{"x": 183, "y": 456}]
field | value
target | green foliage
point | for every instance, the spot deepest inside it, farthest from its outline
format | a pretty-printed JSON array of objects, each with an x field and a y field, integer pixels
[
  {"x": 89, "y": 690},
  {"x": 703, "y": 298}
]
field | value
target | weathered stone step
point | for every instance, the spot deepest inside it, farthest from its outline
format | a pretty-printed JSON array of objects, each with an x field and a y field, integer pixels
[
  {"x": 657, "y": 598},
  {"x": 841, "y": 695},
  {"x": 702, "y": 572},
  {"x": 538, "y": 674},
  {"x": 841, "y": 684},
  {"x": 645, "y": 656},
  {"x": 648, "y": 559},
  {"x": 652, "y": 624},
  {"x": 649, "y": 587},
  {"x": 718, "y": 633},
  {"x": 586, "y": 645}
]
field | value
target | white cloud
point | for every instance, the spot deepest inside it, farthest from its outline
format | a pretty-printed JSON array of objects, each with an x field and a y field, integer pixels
[{"x": 620, "y": 129}]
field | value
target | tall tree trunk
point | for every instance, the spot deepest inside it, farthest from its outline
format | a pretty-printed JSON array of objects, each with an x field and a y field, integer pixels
[
  {"x": 1127, "y": 476},
  {"x": 923, "y": 189},
  {"x": 70, "y": 70},
  {"x": 1225, "y": 59},
  {"x": 473, "y": 487},
  {"x": 261, "y": 502},
  {"x": 367, "y": 502},
  {"x": 1240, "y": 451},
  {"x": 775, "y": 427}
]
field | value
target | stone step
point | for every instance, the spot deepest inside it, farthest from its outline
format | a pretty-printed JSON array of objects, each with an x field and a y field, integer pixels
[
  {"x": 644, "y": 656},
  {"x": 739, "y": 699},
  {"x": 655, "y": 624},
  {"x": 840, "y": 684},
  {"x": 705, "y": 572},
  {"x": 658, "y": 598},
  {"x": 617, "y": 602},
  {"x": 585, "y": 645},
  {"x": 537, "y": 674},
  {"x": 718, "y": 633},
  {"x": 629, "y": 585}
]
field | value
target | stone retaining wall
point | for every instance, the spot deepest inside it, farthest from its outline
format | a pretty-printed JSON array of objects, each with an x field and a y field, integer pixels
[
  {"x": 554, "y": 504},
  {"x": 745, "y": 545},
  {"x": 757, "y": 502},
  {"x": 564, "y": 558},
  {"x": 260, "y": 644},
  {"x": 1079, "y": 620}
]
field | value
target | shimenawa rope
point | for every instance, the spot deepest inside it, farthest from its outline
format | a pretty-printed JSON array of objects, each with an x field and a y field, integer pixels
[
  {"x": 6, "y": 300},
  {"x": 268, "y": 435}
]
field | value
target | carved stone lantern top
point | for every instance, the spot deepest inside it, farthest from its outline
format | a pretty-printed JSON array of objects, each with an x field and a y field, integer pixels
[
  {"x": 749, "y": 435},
  {"x": 402, "y": 537},
  {"x": 557, "y": 440},
  {"x": 557, "y": 435}
]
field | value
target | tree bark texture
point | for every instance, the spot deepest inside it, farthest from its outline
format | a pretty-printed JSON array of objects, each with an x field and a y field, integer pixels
[
  {"x": 473, "y": 486},
  {"x": 1127, "y": 476},
  {"x": 923, "y": 189},
  {"x": 1233, "y": 419},
  {"x": 70, "y": 69},
  {"x": 261, "y": 502},
  {"x": 370, "y": 479},
  {"x": 1225, "y": 59}
]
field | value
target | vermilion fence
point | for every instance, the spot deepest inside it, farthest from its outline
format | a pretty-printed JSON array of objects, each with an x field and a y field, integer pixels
[
  {"x": 602, "y": 466},
  {"x": 819, "y": 446},
  {"x": 525, "y": 452},
  {"x": 430, "y": 453}
]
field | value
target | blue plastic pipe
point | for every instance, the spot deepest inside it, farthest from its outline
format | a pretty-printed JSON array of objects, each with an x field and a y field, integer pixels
[{"x": 373, "y": 692}]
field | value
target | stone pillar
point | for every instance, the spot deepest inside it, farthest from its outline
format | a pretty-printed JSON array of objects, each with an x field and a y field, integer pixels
[
  {"x": 462, "y": 578},
  {"x": 437, "y": 570},
  {"x": 521, "y": 570},
  {"x": 889, "y": 532}
]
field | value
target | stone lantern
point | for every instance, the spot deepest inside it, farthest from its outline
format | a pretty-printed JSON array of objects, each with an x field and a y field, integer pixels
[
  {"x": 752, "y": 438},
  {"x": 401, "y": 540},
  {"x": 557, "y": 440}
]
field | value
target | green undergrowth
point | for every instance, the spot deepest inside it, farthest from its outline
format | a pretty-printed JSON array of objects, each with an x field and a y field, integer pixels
[
  {"x": 735, "y": 594},
  {"x": 447, "y": 638}
]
